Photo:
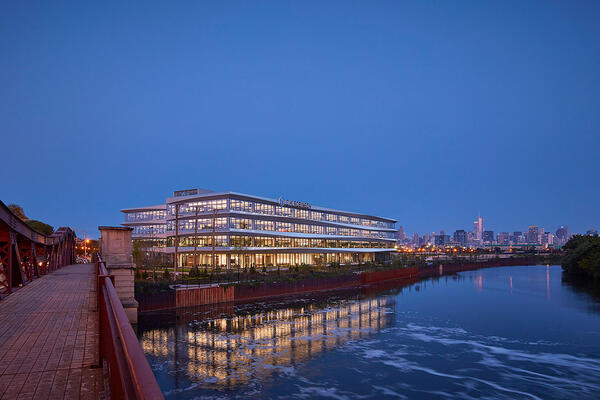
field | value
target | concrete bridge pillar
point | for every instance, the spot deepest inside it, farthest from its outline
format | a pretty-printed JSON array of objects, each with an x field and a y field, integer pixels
[{"x": 116, "y": 249}]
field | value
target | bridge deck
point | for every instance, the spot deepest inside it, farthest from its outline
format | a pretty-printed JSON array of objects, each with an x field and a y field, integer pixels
[{"x": 49, "y": 338}]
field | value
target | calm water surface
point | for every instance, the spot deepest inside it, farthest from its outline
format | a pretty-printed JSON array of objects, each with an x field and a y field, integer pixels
[{"x": 500, "y": 333}]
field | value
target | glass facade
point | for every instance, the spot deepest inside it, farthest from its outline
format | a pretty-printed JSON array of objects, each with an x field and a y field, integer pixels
[
  {"x": 313, "y": 215},
  {"x": 261, "y": 232},
  {"x": 281, "y": 259},
  {"x": 189, "y": 208},
  {"x": 145, "y": 215},
  {"x": 148, "y": 230}
]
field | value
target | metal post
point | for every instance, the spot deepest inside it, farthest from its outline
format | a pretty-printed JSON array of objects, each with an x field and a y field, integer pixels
[
  {"x": 213, "y": 238},
  {"x": 35, "y": 262},
  {"x": 99, "y": 298},
  {"x": 176, "y": 239},
  {"x": 153, "y": 254},
  {"x": 9, "y": 267},
  {"x": 196, "y": 239}
]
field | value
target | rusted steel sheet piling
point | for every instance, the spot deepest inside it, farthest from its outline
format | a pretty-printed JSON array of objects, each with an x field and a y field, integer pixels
[{"x": 198, "y": 296}]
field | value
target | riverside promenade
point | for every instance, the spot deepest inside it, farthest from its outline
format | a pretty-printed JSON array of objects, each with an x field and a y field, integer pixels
[{"x": 49, "y": 338}]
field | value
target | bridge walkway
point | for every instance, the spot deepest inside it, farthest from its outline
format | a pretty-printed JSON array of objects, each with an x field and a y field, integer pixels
[{"x": 49, "y": 338}]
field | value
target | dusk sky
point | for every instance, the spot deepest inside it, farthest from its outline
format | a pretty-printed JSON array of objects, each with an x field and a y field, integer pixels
[{"x": 425, "y": 112}]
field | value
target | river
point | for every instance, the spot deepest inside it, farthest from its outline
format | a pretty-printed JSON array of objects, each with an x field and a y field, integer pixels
[{"x": 496, "y": 333}]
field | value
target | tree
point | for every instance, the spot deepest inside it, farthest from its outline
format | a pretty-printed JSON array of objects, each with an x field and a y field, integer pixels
[
  {"x": 18, "y": 211},
  {"x": 40, "y": 227},
  {"x": 583, "y": 256},
  {"x": 138, "y": 253}
]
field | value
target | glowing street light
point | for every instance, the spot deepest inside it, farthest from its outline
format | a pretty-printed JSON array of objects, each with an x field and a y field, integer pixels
[{"x": 85, "y": 242}]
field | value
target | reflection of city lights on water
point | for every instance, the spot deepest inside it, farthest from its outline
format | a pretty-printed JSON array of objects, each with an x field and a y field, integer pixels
[
  {"x": 548, "y": 282},
  {"x": 230, "y": 351},
  {"x": 478, "y": 283}
]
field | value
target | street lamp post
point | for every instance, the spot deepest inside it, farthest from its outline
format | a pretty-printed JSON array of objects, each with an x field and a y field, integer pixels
[
  {"x": 176, "y": 238},
  {"x": 85, "y": 242}
]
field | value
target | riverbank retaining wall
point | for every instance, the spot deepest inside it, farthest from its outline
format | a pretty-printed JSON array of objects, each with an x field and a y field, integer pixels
[
  {"x": 191, "y": 296},
  {"x": 265, "y": 290},
  {"x": 215, "y": 294},
  {"x": 378, "y": 276}
]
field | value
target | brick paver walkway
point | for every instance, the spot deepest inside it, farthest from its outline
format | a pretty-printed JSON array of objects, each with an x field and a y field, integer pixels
[{"x": 49, "y": 336}]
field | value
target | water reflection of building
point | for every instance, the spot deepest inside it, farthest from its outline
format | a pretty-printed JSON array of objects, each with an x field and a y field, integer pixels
[{"x": 231, "y": 351}]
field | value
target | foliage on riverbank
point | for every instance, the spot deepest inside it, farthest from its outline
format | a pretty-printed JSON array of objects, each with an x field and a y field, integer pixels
[
  {"x": 583, "y": 256},
  {"x": 250, "y": 277},
  {"x": 149, "y": 287}
]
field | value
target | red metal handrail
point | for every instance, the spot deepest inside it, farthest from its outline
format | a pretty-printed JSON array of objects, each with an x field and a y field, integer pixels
[{"x": 129, "y": 374}]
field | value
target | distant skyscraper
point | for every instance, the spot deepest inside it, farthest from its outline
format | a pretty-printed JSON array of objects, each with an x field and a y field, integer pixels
[
  {"x": 548, "y": 238},
  {"x": 478, "y": 228},
  {"x": 488, "y": 236},
  {"x": 442, "y": 240},
  {"x": 532, "y": 234},
  {"x": 562, "y": 235},
  {"x": 517, "y": 237},
  {"x": 503, "y": 238},
  {"x": 400, "y": 235},
  {"x": 470, "y": 238},
  {"x": 460, "y": 236}
]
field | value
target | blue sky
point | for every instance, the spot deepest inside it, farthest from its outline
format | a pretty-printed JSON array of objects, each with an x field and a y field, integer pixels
[{"x": 426, "y": 112}]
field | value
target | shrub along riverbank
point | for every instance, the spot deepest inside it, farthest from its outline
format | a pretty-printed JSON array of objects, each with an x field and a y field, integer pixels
[
  {"x": 255, "y": 286},
  {"x": 253, "y": 277},
  {"x": 582, "y": 256}
]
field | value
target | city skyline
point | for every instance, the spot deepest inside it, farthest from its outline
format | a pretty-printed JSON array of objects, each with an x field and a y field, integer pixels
[{"x": 469, "y": 237}]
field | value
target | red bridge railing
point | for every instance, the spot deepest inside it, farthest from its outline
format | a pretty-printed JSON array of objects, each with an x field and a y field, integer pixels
[
  {"x": 26, "y": 254},
  {"x": 129, "y": 374}
]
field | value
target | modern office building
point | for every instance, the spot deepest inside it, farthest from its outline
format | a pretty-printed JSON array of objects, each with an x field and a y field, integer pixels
[{"x": 228, "y": 229}]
